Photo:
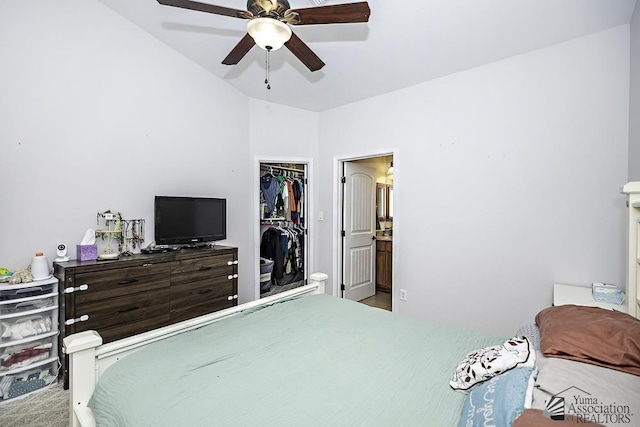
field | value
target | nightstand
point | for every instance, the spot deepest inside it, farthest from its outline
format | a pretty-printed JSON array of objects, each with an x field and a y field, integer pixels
[{"x": 581, "y": 295}]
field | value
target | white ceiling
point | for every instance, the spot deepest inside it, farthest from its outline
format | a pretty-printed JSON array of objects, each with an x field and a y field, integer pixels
[{"x": 403, "y": 44}]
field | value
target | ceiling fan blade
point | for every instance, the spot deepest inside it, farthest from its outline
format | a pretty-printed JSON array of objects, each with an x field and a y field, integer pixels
[
  {"x": 332, "y": 14},
  {"x": 304, "y": 53},
  {"x": 209, "y": 8},
  {"x": 240, "y": 50}
]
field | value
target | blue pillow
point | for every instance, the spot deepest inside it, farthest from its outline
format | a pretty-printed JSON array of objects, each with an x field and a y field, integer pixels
[{"x": 500, "y": 400}]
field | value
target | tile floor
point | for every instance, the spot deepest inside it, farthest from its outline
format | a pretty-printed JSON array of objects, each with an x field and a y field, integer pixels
[{"x": 379, "y": 300}]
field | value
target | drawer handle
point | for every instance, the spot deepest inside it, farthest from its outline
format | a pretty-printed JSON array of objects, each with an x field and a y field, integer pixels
[
  {"x": 232, "y": 276},
  {"x": 71, "y": 289},
  {"x": 82, "y": 318},
  {"x": 24, "y": 304},
  {"x": 126, "y": 310},
  {"x": 232, "y": 262},
  {"x": 147, "y": 264},
  {"x": 35, "y": 289},
  {"x": 204, "y": 268},
  {"x": 127, "y": 282},
  {"x": 230, "y": 298}
]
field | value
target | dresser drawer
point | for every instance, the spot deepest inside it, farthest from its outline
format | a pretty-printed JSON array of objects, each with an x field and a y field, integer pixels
[
  {"x": 133, "y": 313},
  {"x": 206, "y": 266},
  {"x": 202, "y": 297},
  {"x": 103, "y": 285}
]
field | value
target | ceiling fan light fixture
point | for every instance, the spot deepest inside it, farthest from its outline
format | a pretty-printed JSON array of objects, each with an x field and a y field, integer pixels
[{"x": 269, "y": 33}]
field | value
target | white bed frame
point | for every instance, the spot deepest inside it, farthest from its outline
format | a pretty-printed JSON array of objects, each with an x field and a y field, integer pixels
[
  {"x": 88, "y": 357},
  {"x": 632, "y": 190}
]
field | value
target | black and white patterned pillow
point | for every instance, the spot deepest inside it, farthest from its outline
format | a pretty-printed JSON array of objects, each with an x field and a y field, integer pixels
[{"x": 485, "y": 363}]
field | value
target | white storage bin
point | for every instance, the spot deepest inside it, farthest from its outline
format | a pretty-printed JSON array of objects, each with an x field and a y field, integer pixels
[
  {"x": 21, "y": 382},
  {"x": 22, "y": 305},
  {"x": 28, "y": 324},
  {"x": 19, "y": 354},
  {"x": 25, "y": 290}
]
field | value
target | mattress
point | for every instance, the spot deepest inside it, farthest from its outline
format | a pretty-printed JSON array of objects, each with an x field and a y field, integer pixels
[{"x": 316, "y": 360}]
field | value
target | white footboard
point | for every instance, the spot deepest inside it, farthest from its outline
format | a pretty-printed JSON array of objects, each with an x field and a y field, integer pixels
[{"x": 88, "y": 358}]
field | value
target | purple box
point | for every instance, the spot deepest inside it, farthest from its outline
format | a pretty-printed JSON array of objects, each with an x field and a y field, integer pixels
[{"x": 87, "y": 252}]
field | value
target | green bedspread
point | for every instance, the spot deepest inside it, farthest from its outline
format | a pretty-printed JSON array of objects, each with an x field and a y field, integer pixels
[{"x": 312, "y": 361}]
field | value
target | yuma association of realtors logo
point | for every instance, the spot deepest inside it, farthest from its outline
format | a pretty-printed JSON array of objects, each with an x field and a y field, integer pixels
[{"x": 581, "y": 407}]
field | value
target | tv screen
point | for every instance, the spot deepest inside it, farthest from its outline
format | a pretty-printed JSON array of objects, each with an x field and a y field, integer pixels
[{"x": 189, "y": 220}]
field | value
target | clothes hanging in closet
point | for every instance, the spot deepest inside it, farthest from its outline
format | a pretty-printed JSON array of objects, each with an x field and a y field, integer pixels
[
  {"x": 283, "y": 196},
  {"x": 270, "y": 187},
  {"x": 271, "y": 248},
  {"x": 285, "y": 246}
]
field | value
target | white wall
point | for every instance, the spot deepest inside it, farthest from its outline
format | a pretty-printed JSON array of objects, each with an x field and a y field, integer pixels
[
  {"x": 634, "y": 104},
  {"x": 507, "y": 180},
  {"x": 95, "y": 114}
]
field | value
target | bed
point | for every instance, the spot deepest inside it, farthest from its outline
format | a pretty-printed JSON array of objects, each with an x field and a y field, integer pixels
[
  {"x": 298, "y": 358},
  {"x": 306, "y": 358}
]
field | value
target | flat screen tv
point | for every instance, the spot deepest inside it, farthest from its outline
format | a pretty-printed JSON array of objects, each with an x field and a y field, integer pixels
[{"x": 189, "y": 221}]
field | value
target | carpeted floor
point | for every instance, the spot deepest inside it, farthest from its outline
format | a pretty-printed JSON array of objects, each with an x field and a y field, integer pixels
[
  {"x": 46, "y": 408},
  {"x": 276, "y": 289}
]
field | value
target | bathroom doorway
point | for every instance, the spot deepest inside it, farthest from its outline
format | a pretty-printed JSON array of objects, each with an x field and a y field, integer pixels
[{"x": 366, "y": 230}]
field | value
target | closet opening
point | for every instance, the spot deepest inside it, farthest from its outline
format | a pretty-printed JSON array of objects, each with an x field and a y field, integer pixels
[{"x": 283, "y": 241}]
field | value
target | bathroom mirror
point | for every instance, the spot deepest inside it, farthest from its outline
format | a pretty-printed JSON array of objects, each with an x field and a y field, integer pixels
[{"x": 384, "y": 201}]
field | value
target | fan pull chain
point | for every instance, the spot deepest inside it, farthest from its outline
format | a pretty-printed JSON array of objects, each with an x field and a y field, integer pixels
[{"x": 266, "y": 61}]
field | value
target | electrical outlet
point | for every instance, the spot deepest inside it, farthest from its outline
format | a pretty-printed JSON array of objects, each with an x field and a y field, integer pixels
[{"x": 403, "y": 294}]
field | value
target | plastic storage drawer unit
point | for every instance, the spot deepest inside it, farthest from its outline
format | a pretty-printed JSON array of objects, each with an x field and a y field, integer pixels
[{"x": 28, "y": 337}]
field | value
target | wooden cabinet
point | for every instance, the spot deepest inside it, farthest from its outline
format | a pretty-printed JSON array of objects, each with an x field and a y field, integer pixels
[
  {"x": 384, "y": 250},
  {"x": 135, "y": 294}
]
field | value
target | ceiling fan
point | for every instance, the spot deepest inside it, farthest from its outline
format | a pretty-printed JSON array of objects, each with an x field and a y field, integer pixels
[{"x": 269, "y": 22}]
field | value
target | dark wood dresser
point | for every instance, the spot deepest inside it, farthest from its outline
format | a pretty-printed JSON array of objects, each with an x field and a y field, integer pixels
[{"x": 135, "y": 294}]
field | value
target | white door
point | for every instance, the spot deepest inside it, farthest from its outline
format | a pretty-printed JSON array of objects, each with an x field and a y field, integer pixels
[{"x": 359, "y": 225}]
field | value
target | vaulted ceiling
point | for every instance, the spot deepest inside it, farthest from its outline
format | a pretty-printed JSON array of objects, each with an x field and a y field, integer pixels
[{"x": 403, "y": 44}]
